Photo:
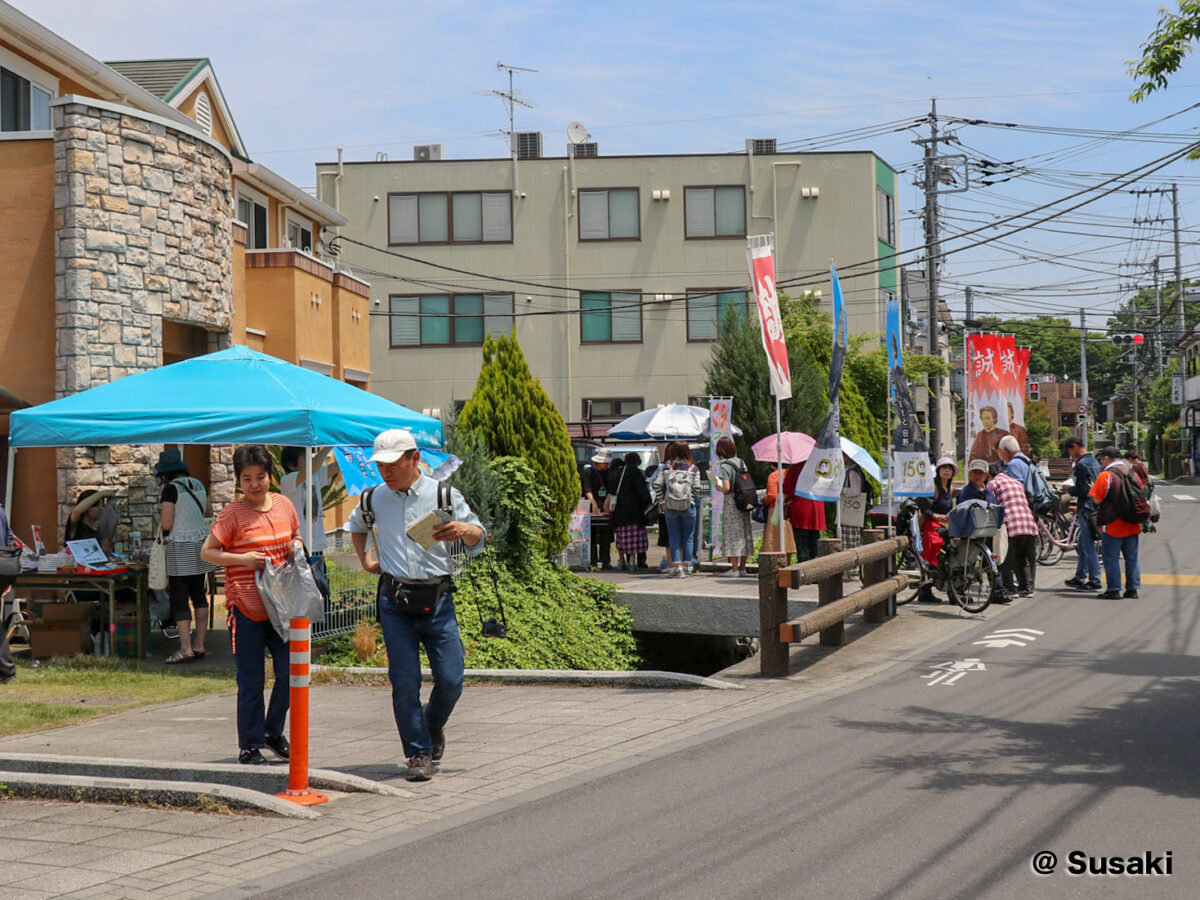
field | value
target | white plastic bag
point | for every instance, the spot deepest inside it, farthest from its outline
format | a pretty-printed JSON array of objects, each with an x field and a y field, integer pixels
[{"x": 289, "y": 591}]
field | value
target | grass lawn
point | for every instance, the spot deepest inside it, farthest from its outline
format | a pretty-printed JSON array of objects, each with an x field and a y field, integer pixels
[{"x": 65, "y": 691}]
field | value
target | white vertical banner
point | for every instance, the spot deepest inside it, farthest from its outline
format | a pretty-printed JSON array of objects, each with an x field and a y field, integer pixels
[{"x": 720, "y": 424}]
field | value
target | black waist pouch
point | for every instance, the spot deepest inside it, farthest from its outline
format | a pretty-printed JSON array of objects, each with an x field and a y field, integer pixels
[{"x": 416, "y": 596}]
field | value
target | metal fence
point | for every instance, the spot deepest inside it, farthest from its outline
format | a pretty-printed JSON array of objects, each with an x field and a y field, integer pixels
[{"x": 351, "y": 592}]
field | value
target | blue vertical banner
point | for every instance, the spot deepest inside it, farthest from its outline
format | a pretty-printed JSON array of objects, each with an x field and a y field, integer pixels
[
  {"x": 824, "y": 471},
  {"x": 912, "y": 475}
]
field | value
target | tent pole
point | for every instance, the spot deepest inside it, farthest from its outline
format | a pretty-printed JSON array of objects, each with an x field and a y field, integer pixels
[
  {"x": 308, "y": 495},
  {"x": 8, "y": 481}
]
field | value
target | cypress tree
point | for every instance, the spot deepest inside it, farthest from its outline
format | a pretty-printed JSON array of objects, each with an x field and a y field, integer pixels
[{"x": 511, "y": 413}]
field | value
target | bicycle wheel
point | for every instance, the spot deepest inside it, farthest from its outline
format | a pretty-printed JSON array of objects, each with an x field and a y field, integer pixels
[
  {"x": 1058, "y": 534},
  {"x": 908, "y": 564},
  {"x": 973, "y": 585}
]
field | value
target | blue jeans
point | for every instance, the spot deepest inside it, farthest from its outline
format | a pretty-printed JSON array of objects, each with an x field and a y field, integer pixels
[
  {"x": 1088, "y": 567},
  {"x": 1113, "y": 549},
  {"x": 681, "y": 526},
  {"x": 251, "y": 642},
  {"x": 404, "y": 635}
]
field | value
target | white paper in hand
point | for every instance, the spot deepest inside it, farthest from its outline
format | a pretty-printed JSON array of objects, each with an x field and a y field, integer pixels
[{"x": 422, "y": 530}]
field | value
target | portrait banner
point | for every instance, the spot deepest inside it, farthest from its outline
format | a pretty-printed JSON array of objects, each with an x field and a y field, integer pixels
[
  {"x": 824, "y": 471},
  {"x": 720, "y": 424},
  {"x": 987, "y": 407},
  {"x": 912, "y": 476}
]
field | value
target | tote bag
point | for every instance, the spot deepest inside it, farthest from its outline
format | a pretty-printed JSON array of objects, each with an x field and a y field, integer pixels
[{"x": 157, "y": 576}]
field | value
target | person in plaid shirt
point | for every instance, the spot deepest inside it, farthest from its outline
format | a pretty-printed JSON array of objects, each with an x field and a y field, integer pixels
[{"x": 1021, "y": 526}]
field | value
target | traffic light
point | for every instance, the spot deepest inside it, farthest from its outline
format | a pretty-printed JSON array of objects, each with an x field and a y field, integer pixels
[
  {"x": 1123, "y": 340},
  {"x": 1034, "y": 391}
]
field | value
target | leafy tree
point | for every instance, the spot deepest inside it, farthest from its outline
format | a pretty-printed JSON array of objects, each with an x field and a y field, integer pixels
[
  {"x": 511, "y": 414},
  {"x": 1040, "y": 428},
  {"x": 1164, "y": 50}
]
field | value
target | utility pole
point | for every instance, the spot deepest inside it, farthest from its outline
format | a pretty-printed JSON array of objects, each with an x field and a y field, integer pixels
[
  {"x": 931, "y": 273},
  {"x": 1086, "y": 417},
  {"x": 968, "y": 319},
  {"x": 1180, "y": 319},
  {"x": 1158, "y": 326}
]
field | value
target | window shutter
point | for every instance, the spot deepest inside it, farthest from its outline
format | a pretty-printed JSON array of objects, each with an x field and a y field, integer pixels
[
  {"x": 593, "y": 215},
  {"x": 626, "y": 317},
  {"x": 434, "y": 218},
  {"x": 402, "y": 219},
  {"x": 730, "y": 211},
  {"x": 700, "y": 219},
  {"x": 497, "y": 217},
  {"x": 623, "y": 213},
  {"x": 702, "y": 317},
  {"x": 406, "y": 327},
  {"x": 468, "y": 218},
  {"x": 498, "y": 313}
]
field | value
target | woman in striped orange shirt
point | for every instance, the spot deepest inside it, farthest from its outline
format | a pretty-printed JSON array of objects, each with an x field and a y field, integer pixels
[{"x": 257, "y": 527}]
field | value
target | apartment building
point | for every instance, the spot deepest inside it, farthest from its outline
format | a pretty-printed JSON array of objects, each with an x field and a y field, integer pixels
[
  {"x": 615, "y": 272},
  {"x": 135, "y": 230}
]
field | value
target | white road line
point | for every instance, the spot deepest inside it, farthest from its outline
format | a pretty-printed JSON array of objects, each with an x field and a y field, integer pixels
[{"x": 1183, "y": 496}]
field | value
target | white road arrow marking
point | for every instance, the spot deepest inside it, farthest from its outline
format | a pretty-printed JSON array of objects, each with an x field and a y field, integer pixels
[
  {"x": 1010, "y": 637},
  {"x": 1002, "y": 642},
  {"x": 1016, "y": 631}
]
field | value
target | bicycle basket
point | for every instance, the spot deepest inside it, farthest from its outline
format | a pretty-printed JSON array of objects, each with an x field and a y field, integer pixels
[{"x": 975, "y": 519}]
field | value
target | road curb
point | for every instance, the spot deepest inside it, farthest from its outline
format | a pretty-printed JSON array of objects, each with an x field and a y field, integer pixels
[
  {"x": 270, "y": 779},
  {"x": 649, "y": 678},
  {"x": 175, "y": 794}
]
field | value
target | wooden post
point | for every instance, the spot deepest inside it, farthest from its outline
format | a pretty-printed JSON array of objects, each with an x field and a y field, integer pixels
[
  {"x": 773, "y": 654},
  {"x": 829, "y": 589},
  {"x": 873, "y": 573}
]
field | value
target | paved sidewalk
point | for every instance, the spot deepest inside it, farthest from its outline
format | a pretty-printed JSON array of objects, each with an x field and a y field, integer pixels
[{"x": 505, "y": 744}]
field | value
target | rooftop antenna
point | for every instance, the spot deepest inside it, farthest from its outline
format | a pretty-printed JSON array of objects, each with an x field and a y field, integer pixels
[{"x": 512, "y": 99}]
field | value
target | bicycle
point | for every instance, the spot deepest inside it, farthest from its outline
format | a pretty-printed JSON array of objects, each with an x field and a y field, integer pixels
[
  {"x": 966, "y": 568},
  {"x": 1057, "y": 534}
]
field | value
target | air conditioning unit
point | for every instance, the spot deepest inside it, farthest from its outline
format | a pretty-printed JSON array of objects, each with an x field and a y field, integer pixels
[
  {"x": 528, "y": 144},
  {"x": 589, "y": 150},
  {"x": 760, "y": 146},
  {"x": 427, "y": 152}
]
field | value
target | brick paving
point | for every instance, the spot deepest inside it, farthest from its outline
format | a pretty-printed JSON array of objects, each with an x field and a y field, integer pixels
[{"x": 503, "y": 740}]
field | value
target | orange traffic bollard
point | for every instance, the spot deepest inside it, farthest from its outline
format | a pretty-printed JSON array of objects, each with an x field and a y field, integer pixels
[{"x": 298, "y": 790}]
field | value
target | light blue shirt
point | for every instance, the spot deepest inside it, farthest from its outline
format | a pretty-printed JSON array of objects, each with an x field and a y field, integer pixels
[
  {"x": 399, "y": 555},
  {"x": 1018, "y": 467}
]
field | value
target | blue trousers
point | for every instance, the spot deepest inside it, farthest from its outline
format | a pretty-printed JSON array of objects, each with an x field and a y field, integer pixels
[
  {"x": 1088, "y": 567},
  {"x": 1113, "y": 549},
  {"x": 251, "y": 641},
  {"x": 681, "y": 526},
  {"x": 404, "y": 635}
]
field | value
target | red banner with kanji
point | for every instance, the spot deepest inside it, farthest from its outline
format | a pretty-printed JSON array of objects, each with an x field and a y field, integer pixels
[{"x": 760, "y": 252}]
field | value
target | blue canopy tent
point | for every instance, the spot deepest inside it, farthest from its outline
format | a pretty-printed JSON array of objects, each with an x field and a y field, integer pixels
[{"x": 232, "y": 396}]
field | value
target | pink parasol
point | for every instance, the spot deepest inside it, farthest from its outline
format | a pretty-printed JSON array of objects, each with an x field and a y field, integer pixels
[{"x": 796, "y": 447}]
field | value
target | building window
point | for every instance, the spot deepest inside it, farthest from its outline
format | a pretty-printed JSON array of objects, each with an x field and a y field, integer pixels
[
  {"x": 24, "y": 105},
  {"x": 885, "y": 216},
  {"x": 299, "y": 235},
  {"x": 445, "y": 320},
  {"x": 714, "y": 212},
  {"x": 611, "y": 409},
  {"x": 252, "y": 210},
  {"x": 609, "y": 215},
  {"x": 610, "y": 317},
  {"x": 708, "y": 313},
  {"x": 461, "y": 217}
]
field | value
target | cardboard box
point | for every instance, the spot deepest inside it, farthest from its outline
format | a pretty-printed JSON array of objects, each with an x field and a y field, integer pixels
[{"x": 63, "y": 629}]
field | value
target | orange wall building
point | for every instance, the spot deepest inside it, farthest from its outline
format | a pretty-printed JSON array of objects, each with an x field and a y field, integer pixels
[{"x": 135, "y": 231}]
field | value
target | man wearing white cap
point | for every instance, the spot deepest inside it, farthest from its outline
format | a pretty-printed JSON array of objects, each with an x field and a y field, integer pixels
[{"x": 415, "y": 598}]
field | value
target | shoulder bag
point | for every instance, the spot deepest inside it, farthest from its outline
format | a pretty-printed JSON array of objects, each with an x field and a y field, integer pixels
[
  {"x": 157, "y": 575},
  {"x": 610, "y": 502}
]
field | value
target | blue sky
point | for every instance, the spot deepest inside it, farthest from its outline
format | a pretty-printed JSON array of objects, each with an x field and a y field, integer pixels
[{"x": 303, "y": 78}]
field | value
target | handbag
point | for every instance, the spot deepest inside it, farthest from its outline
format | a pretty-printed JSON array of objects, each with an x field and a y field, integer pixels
[
  {"x": 157, "y": 574},
  {"x": 10, "y": 562},
  {"x": 610, "y": 502},
  {"x": 759, "y": 513}
]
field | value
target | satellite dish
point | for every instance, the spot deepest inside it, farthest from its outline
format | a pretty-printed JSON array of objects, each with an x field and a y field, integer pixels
[{"x": 577, "y": 133}]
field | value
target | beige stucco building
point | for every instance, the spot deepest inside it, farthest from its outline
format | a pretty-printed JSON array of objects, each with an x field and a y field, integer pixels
[{"x": 614, "y": 271}]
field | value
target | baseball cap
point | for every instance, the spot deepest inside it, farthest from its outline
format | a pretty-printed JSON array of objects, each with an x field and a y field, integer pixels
[
  {"x": 1108, "y": 453},
  {"x": 392, "y": 444},
  {"x": 978, "y": 465}
]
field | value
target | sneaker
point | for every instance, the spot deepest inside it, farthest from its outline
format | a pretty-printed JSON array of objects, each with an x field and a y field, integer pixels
[
  {"x": 1131, "y": 595},
  {"x": 1003, "y": 598},
  {"x": 437, "y": 740},
  {"x": 251, "y": 758},
  {"x": 279, "y": 745},
  {"x": 730, "y": 573},
  {"x": 8, "y": 679},
  {"x": 1109, "y": 595},
  {"x": 664, "y": 566},
  {"x": 420, "y": 768},
  {"x": 1076, "y": 583},
  {"x": 680, "y": 572},
  {"x": 1025, "y": 593},
  {"x": 1094, "y": 586}
]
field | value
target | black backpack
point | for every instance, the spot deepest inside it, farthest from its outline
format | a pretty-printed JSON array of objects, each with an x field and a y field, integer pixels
[
  {"x": 1126, "y": 501},
  {"x": 744, "y": 493}
]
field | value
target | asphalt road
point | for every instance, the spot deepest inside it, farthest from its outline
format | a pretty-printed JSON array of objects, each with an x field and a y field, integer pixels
[{"x": 1078, "y": 736}]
